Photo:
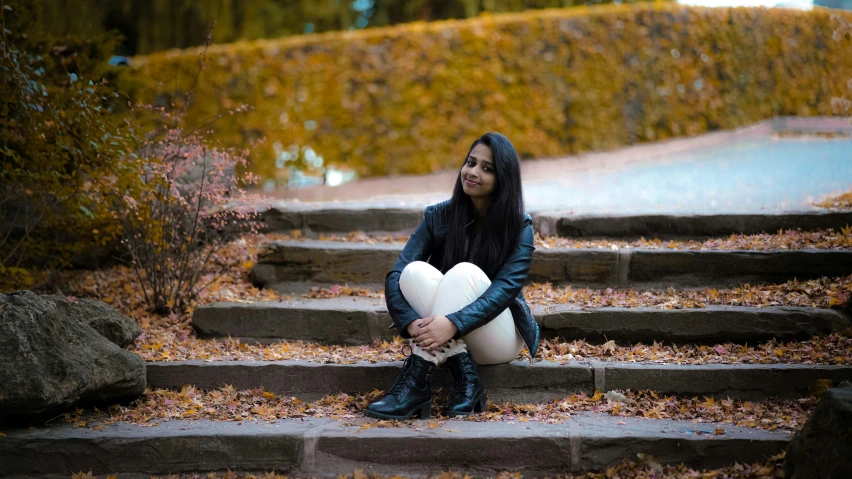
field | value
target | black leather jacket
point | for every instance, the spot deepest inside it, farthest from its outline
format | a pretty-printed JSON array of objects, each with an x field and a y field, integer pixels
[{"x": 427, "y": 243}]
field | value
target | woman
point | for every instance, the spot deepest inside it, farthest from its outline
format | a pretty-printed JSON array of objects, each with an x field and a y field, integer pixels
[{"x": 455, "y": 290}]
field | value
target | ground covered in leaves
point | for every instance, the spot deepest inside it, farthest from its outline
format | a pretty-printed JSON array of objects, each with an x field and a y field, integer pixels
[
  {"x": 839, "y": 202},
  {"x": 645, "y": 467},
  {"x": 176, "y": 342},
  {"x": 797, "y": 239},
  {"x": 229, "y": 404},
  {"x": 172, "y": 338}
]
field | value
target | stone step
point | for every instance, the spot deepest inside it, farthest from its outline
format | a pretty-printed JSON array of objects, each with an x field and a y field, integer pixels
[
  {"x": 357, "y": 320},
  {"x": 517, "y": 381},
  {"x": 333, "y": 261},
  {"x": 326, "y": 448},
  {"x": 317, "y": 219}
]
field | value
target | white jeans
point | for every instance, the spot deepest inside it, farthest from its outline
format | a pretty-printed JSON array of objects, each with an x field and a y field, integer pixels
[{"x": 431, "y": 293}]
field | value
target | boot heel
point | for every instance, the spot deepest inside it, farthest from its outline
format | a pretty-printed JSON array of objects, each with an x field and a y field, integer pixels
[
  {"x": 426, "y": 410},
  {"x": 481, "y": 404}
]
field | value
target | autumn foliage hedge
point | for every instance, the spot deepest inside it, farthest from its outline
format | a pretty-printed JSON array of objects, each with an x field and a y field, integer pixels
[{"x": 411, "y": 98}]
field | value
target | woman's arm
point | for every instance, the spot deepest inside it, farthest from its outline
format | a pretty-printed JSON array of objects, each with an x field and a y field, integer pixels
[
  {"x": 418, "y": 248},
  {"x": 504, "y": 288}
]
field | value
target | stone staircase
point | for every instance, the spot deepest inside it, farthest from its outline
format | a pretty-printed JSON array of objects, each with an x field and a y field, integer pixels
[{"x": 325, "y": 448}]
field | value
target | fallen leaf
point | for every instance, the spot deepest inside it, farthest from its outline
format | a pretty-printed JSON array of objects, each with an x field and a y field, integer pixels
[
  {"x": 650, "y": 462},
  {"x": 819, "y": 386}
]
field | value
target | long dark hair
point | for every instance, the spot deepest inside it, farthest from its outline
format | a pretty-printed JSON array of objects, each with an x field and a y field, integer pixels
[{"x": 503, "y": 221}]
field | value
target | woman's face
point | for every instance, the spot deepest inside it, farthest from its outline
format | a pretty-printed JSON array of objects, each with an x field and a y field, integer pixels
[{"x": 477, "y": 174}]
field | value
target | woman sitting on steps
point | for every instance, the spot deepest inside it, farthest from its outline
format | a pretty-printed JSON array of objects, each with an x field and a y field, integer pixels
[{"x": 455, "y": 290}]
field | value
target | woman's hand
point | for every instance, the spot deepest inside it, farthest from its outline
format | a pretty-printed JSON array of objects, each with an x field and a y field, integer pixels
[{"x": 433, "y": 332}]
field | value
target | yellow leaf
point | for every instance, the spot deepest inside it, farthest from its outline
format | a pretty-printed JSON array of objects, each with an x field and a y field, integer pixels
[
  {"x": 598, "y": 396},
  {"x": 2, "y": 434},
  {"x": 819, "y": 386},
  {"x": 709, "y": 402},
  {"x": 268, "y": 395},
  {"x": 109, "y": 299},
  {"x": 96, "y": 428},
  {"x": 718, "y": 431}
]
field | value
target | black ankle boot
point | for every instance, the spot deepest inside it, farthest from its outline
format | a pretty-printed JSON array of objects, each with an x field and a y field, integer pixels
[
  {"x": 410, "y": 394},
  {"x": 469, "y": 392}
]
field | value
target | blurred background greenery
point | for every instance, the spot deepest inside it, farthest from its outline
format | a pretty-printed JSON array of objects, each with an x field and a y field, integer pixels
[{"x": 154, "y": 25}]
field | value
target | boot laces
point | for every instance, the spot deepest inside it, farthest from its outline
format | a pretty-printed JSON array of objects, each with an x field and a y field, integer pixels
[
  {"x": 464, "y": 377},
  {"x": 402, "y": 377}
]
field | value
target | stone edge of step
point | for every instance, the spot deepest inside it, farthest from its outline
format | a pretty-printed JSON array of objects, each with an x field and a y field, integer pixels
[
  {"x": 356, "y": 320},
  {"x": 346, "y": 217},
  {"x": 587, "y": 441},
  {"x": 517, "y": 381}
]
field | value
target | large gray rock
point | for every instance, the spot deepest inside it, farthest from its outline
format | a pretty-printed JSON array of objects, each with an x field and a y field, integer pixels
[
  {"x": 823, "y": 448},
  {"x": 55, "y": 353}
]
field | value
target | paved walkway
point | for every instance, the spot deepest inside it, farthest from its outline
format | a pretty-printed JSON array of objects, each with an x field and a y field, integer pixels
[{"x": 742, "y": 171}]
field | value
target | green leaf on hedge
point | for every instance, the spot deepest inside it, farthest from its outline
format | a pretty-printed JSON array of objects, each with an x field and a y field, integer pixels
[{"x": 88, "y": 213}]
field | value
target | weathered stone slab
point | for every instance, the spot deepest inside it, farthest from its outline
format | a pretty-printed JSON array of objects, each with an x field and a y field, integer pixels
[
  {"x": 356, "y": 320},
  {"x": 327, "y": 261},
  {"x": 603, "y": 442},
  {"x": 313, "y": 219},
  {"x": 345, "y": 320},
  {"x": 582, "y": 266},
  {"x": 318, "y": 219},
  {"x": 330, "y": 262},
  {"x": 747, "y": 381},
  {"x": 517, "y": 381},
  {"x": 683, "y": 226},
  {"x": 170, "y": 448},
  {"x": 326, "y": 448},
  {"x": 699, "y": 268},
  {"x": 377, "y": 220},
  {"x": 712, "y": 324}
]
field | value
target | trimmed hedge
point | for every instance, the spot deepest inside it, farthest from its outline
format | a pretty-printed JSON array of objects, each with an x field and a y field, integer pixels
[
  {"x": 149, "y": 26},
  {"x": 412, "y": 98}
]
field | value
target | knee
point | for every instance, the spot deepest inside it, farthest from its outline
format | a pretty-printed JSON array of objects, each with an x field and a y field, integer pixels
[
  {"x": 468, "y": 272},
  {"x": 413, "y": 270}
]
